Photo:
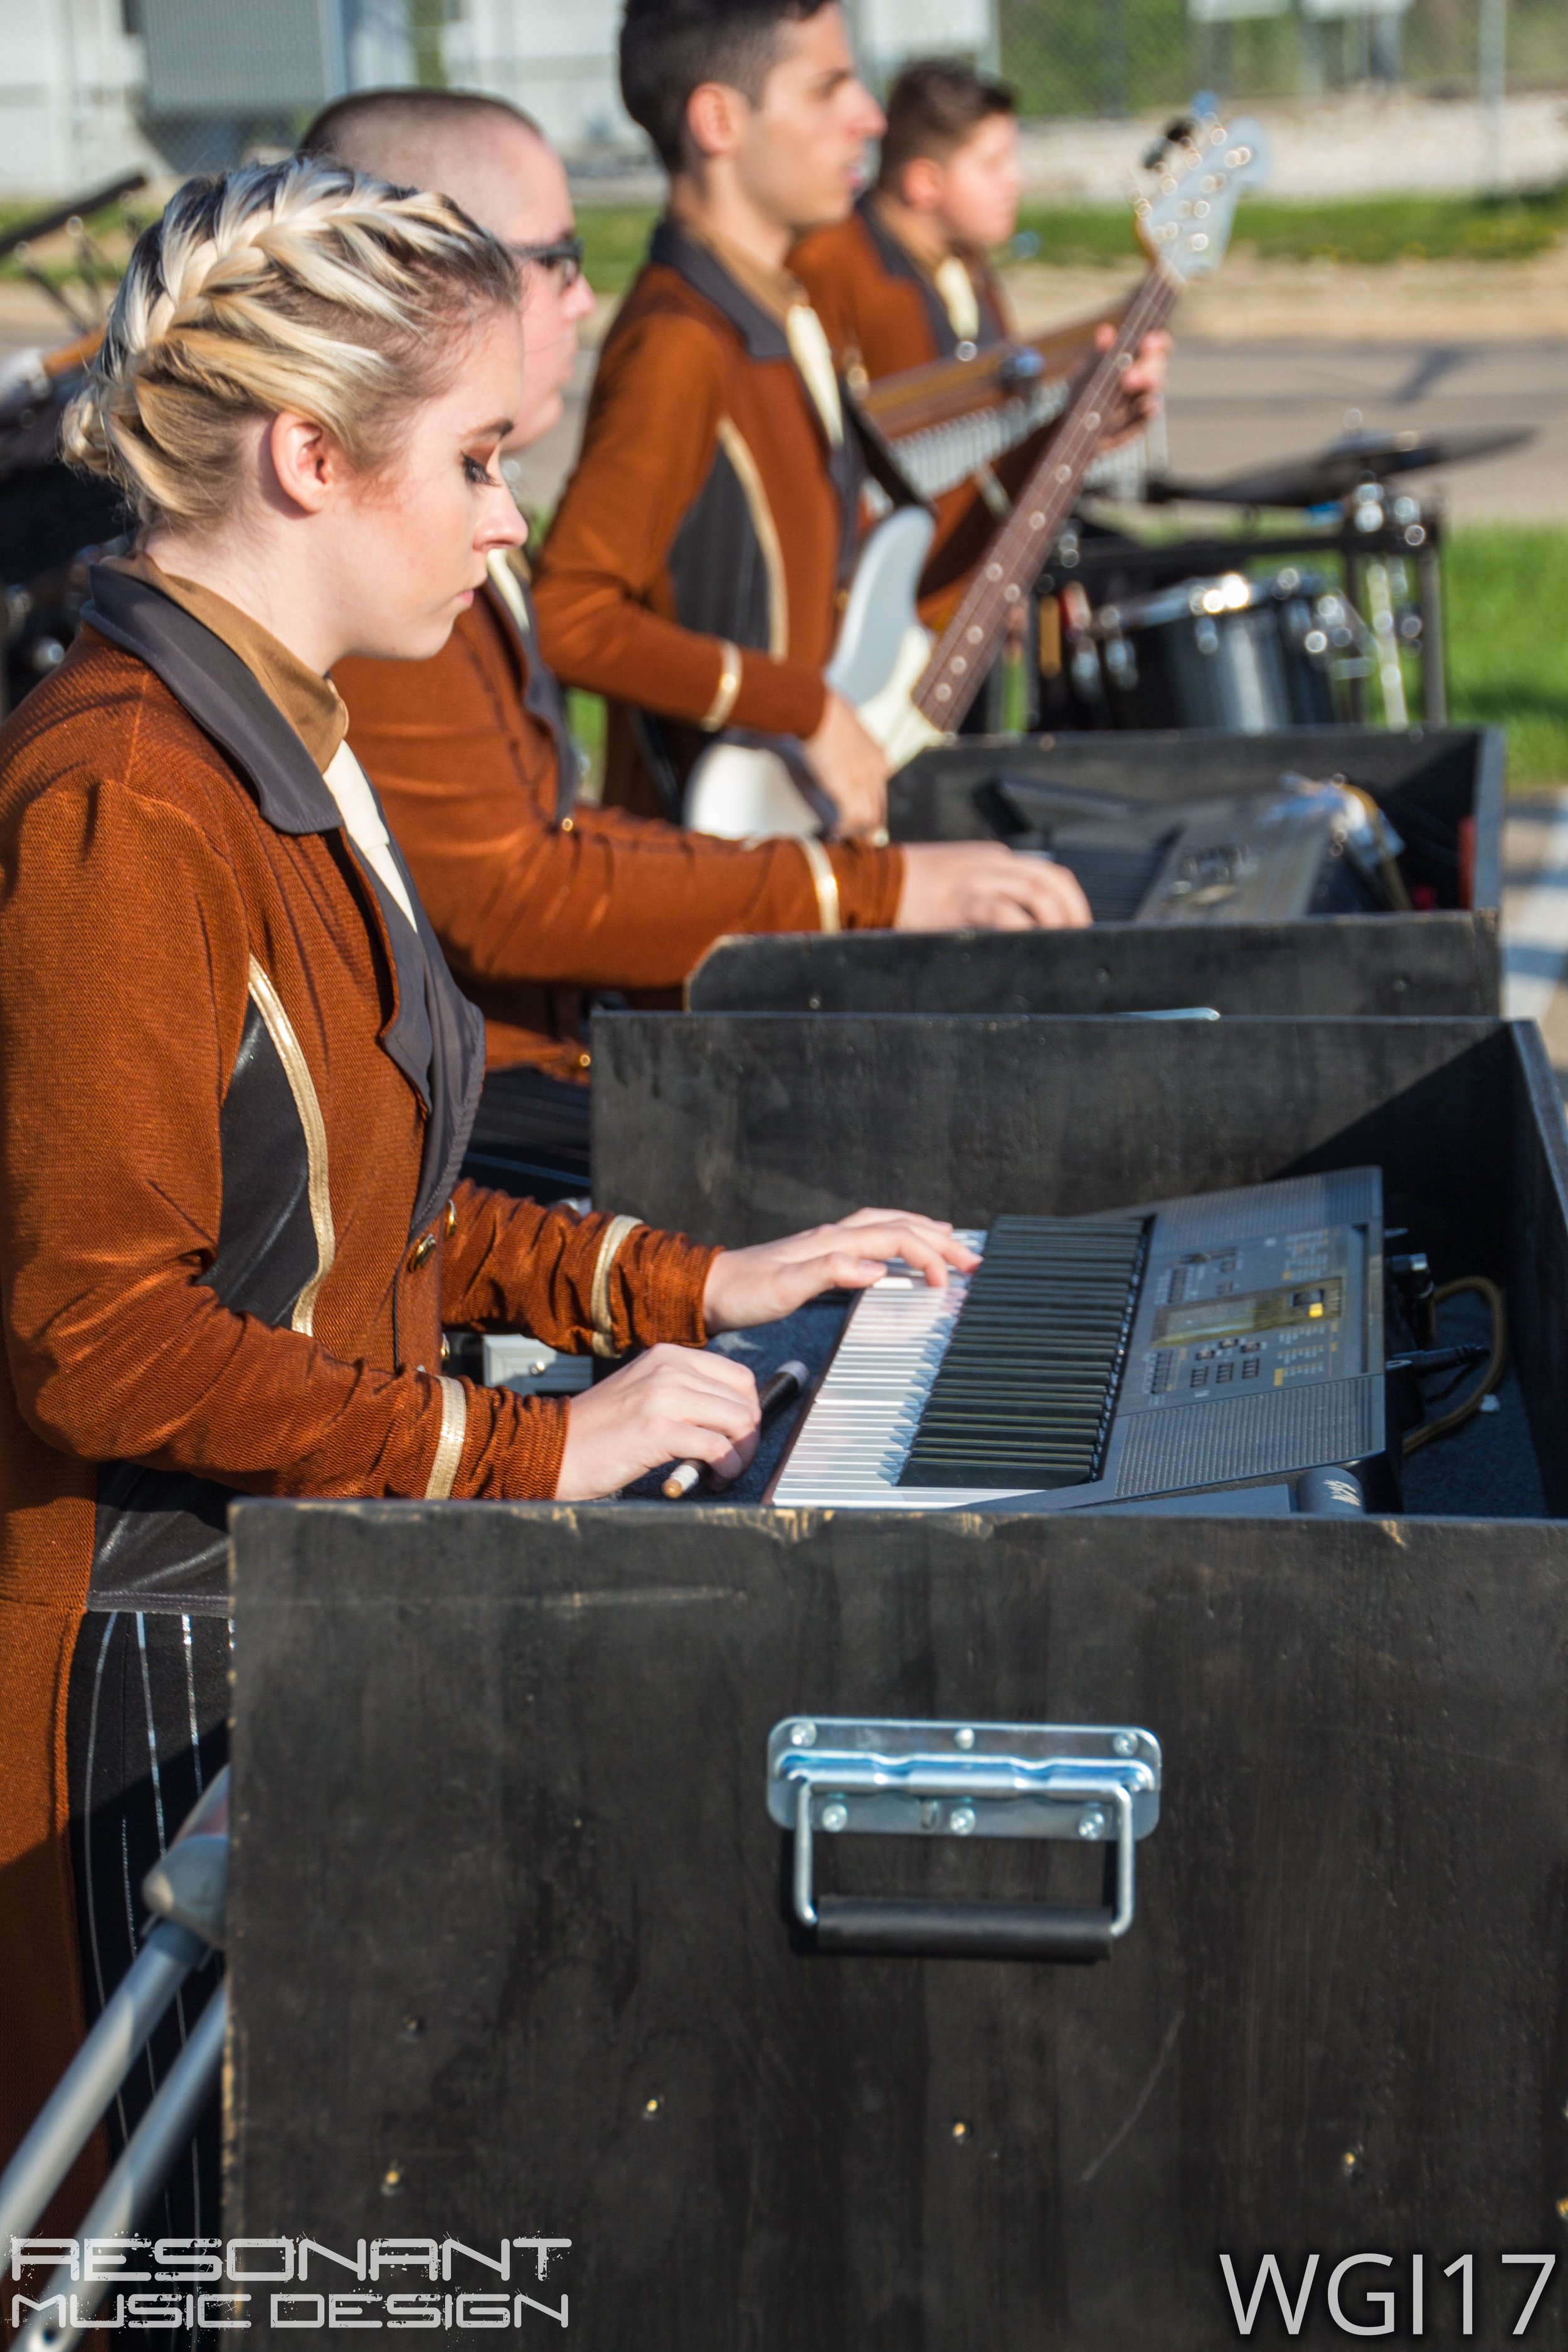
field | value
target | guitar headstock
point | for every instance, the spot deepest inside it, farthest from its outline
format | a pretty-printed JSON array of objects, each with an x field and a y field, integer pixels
[{"x": 1186, "y": 226}]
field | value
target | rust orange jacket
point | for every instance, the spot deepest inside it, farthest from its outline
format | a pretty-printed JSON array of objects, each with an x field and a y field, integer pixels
[
  {"x": 238, "y": 1083},
  {"x": 708, "y": 508},
  {"x": 883, "y": 314},
  {"x": 535, "y": 898}
]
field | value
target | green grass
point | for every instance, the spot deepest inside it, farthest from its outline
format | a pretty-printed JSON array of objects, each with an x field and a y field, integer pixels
[
  {"x": 616, "y": 236},
  {"x": 1367, "y": 229},
  {"x": 1507, "y": 642}
]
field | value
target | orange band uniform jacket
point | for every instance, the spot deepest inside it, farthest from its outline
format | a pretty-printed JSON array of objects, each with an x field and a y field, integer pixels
[
  {"x": 536, "y": 898},
  {"x": 239, "y": 1084},
  {"x": 695, "y": 565}
]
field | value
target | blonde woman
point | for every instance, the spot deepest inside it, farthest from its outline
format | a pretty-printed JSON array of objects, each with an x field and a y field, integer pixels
[{"x": 237, "y": 1077}]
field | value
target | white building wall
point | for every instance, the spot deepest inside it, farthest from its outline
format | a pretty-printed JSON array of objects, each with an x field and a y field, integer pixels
[
  {"x": 558, "y": 61},
  {"x": 69, "y": 78},
  {"x": 887, "y": 33}
]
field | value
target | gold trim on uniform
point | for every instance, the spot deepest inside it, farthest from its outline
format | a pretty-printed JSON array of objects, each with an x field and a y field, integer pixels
[
  {"x": 829, "y": 914},
  {"x": 302, "y": 1086},
  {"x": 616, "y": 1232},
  {"x": 723, "y": 702},
  {"x": 449, "y": 1445},
  {"x": 762, "y": 514}
]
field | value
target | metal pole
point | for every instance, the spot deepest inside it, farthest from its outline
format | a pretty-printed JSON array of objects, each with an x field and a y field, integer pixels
[
  {"x": 150, "y": 2154},
  {"x": 1113, "y": 36},
  {"x": 1434, "y": 653},
  {"x": 94, "y": 2076},
  {"x": 1490, "y": 77},
  {"x": 991, "y": 54}
]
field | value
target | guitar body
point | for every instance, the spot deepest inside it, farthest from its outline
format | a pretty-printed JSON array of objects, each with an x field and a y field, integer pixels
[{"x": 745, "y": 784}]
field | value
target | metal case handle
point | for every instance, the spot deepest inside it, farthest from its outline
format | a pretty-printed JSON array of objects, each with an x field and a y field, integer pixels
[{"x": 1094, "y": 1784}]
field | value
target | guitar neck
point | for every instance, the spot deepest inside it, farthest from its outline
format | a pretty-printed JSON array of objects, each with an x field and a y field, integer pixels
[{"x": 1017, "y": 554}]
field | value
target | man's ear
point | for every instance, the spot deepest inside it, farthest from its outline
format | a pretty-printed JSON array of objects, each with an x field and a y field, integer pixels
[
  {"x": 307, "y": 463},
  {"x": 923, "y": 184},
  {"x": 715, "y": 118}
]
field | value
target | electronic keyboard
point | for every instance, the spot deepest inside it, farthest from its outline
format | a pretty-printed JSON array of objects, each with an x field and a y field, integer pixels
[
  {"x": 1307, "y": 848},
  {"x": 1225, "y": 1340}
]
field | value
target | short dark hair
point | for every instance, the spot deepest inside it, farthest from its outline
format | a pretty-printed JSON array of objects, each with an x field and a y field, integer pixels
[
  {"x": 391, "y": 120},
  {"x": 933, "y": 107},
  {"x": 670, "y": 48}
]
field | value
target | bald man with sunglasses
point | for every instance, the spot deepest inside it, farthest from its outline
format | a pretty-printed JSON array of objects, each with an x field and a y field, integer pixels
[{"x": 540, "y": 901}]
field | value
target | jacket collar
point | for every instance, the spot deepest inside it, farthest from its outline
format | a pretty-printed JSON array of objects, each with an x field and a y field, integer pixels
[
  {"x": 900, "y": 263},
  {"x": 209, "y": 680},
  {"x": 507, "y": 595},
  {"x": 676, "y": 249}
]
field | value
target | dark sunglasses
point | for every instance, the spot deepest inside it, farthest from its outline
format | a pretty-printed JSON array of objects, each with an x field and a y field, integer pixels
[{"x": 563, "y": 254}]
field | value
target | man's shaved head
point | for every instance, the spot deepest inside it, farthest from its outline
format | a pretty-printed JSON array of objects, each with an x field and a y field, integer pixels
[
  {"x": 495, "y": 162},
  {"x": 468, "y": 145}
]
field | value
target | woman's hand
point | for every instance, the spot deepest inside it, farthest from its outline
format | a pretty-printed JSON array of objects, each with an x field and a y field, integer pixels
[
  {"x": 757, "y": 1285},
  {"x": 672, "y": 1404}
]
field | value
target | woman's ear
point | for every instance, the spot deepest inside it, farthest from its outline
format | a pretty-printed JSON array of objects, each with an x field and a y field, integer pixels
[{"x": 307, "y": 463}]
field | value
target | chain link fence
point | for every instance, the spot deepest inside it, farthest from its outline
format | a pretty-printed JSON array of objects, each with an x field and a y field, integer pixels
[{"x": 1111, "y": 57}]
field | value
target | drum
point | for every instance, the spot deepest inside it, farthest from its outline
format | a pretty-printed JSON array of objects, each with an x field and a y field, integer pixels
[{"x": 1247, "y": 654}]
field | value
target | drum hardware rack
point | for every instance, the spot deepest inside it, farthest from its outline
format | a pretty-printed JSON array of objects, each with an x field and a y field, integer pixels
[{"x": 1404, "y": 528}]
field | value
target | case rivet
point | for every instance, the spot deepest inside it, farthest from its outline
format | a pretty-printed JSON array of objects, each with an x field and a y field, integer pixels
[
  {"x": 835, "y": 1814},
  {"x": 1124, "y": 1743},
  {"x": 961, "y": 1820},
  {"x": 1092, "y": 1823},
  {"x": 803, "y": 1734},
  {"x": 964, "y": 1738}
]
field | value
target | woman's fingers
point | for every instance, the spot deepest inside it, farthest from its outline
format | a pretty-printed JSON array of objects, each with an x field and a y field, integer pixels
[
  {"x": 932, "y": 1226},
  {"x": 920, "y": 1241},
  {"x": 671, "y": 1404}
]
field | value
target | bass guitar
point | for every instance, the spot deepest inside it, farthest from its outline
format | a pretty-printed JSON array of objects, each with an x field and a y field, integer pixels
[{"x": 909, "y": 690}]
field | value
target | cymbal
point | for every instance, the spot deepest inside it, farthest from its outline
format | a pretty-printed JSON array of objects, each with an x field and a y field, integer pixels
[{"x": 1333, "y": 473}]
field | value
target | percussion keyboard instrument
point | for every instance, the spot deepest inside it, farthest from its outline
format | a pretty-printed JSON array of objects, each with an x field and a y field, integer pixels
[{"x": 1210, "y": 1343}]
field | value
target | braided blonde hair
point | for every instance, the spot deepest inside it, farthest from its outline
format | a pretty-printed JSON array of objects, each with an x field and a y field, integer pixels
[{"x": 298, "y": 286}]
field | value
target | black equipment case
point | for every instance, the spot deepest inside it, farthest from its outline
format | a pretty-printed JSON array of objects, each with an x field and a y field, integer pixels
[
  {"x": 512, "y": 1945},
  {"x": 1432, "y": 781}
]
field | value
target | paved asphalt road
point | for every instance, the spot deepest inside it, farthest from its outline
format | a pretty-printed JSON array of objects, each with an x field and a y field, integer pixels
[
  {"x": 1239, "y": 404},
  {"x": 1236, "y": 404}
]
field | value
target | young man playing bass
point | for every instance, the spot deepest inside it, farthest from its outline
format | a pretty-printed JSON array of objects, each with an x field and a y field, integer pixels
[{"x": 696, "y": 566}]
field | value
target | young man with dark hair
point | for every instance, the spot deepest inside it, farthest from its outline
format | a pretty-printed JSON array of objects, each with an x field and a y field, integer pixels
[
  {"x": 906, "y": 280},
  {"x": 696, "y": 563},
  {"x": 537, "y": 900}
]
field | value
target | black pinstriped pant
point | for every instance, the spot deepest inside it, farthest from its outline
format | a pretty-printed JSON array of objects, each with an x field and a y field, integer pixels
[{"x": 146, "y": 1732}]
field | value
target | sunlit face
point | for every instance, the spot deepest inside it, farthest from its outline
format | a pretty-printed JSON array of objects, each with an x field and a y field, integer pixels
[
  {"x": 974, "y": 195},
  {"x": 524, "y": 201},
  {"x": 800, "y": 155},
  {"x": 411, "y": 542}
]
